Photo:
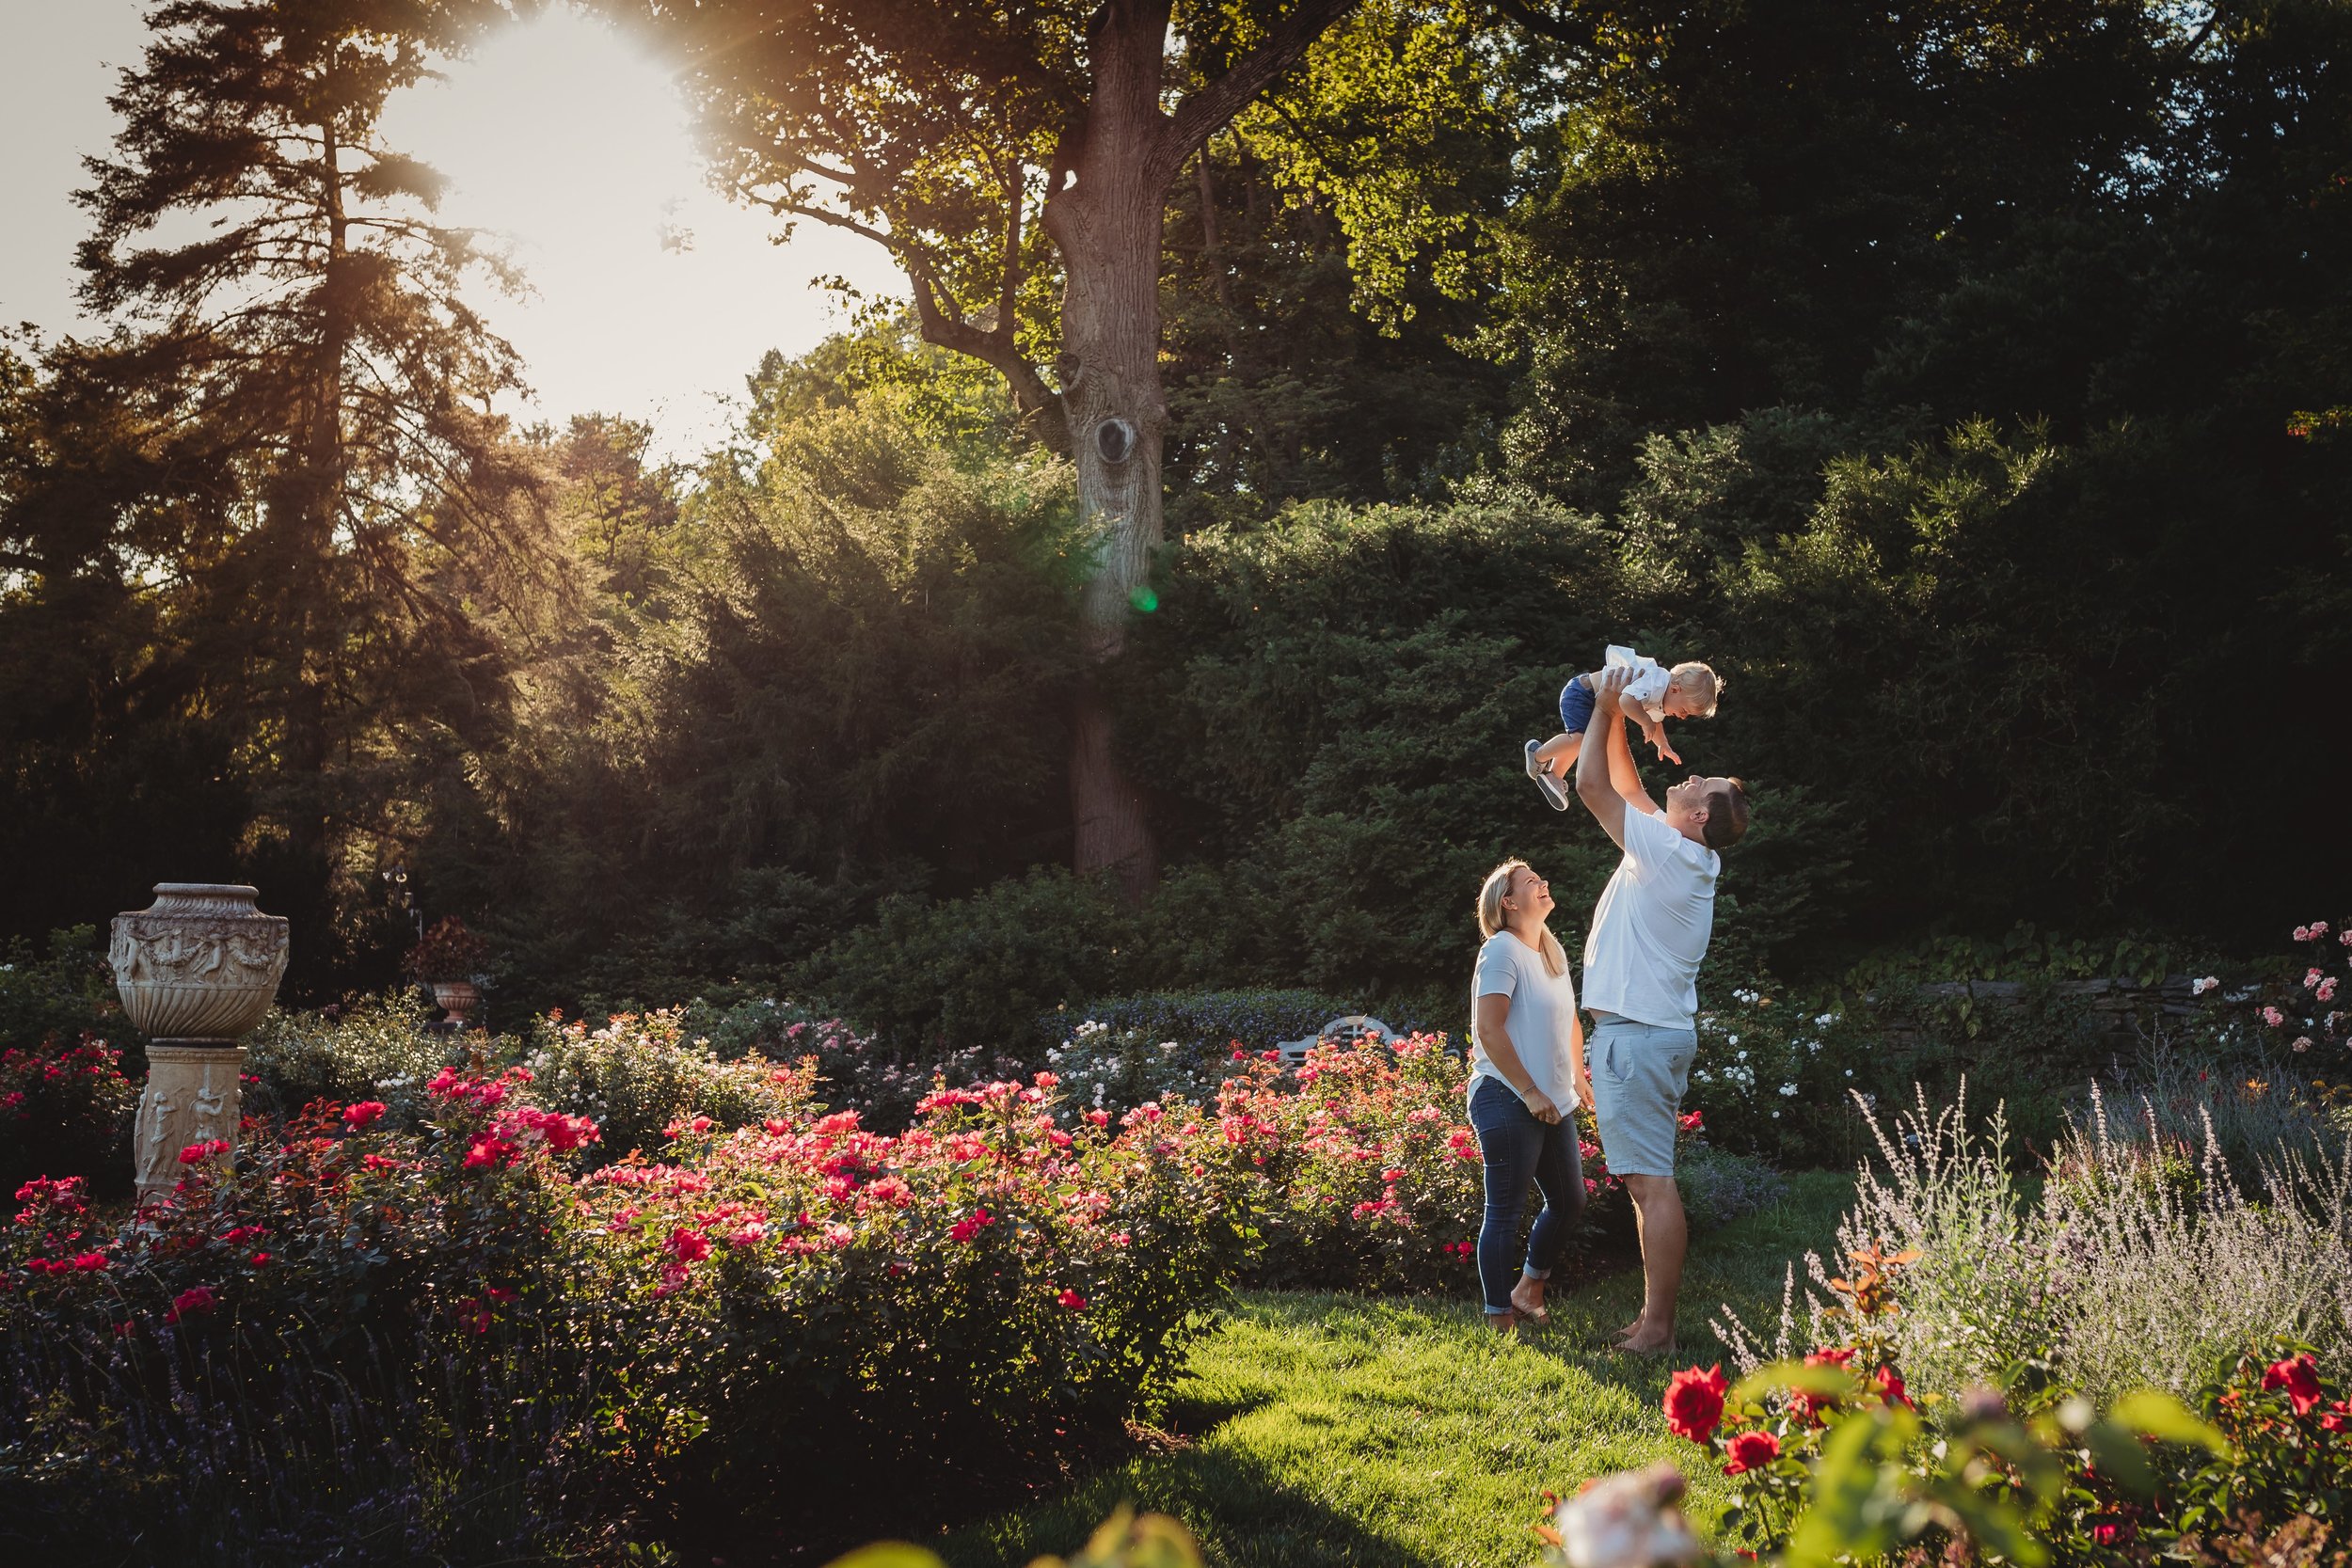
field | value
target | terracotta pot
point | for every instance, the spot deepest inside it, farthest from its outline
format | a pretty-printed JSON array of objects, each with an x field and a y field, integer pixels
[
  {"x": 197, "y": 970},
  {"x": 456, "y": 998}
]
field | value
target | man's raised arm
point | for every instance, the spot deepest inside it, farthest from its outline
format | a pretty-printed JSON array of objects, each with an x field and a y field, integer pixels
[
  {"x": 1624, "y": 777},
  {"x": 1596, "y": 765}
]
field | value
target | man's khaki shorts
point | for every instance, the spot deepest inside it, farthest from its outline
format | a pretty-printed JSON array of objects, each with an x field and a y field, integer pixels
[{"x": 1640, "y": 1072}]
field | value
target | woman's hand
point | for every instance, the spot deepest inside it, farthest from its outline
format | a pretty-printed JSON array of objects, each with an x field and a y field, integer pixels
[{"x": 1539, "y": 1104}]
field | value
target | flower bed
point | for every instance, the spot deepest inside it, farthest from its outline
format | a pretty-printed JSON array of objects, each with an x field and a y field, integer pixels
[
  {"x": 790, "y": 1309},
  {"x": 1837, "y": 1458}
]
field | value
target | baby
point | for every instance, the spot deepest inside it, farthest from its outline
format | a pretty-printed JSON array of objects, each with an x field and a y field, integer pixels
[{"x": 1654, "y": 695}]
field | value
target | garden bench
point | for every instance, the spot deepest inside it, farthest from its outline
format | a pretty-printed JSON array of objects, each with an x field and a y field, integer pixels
[{"x": 1353, "y": 1028}]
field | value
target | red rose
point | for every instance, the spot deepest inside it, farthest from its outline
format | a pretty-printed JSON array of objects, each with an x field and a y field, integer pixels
[
  {"x": 363, "y": 1114},
  {"x": 1694, "y": 1401},
  {"x": 1751, "y": 1450},
  {"x": 1890, "y": 1384},
  {"x": 89, "y": 1263},
  {"x": 198, "y": 1298},
  {"x": 2299, "y": 1377},
  {"x": 1073, "y": 1300}
]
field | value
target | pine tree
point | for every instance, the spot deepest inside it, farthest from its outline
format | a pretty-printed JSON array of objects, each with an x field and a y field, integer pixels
[{"x": 328, "y": 518}]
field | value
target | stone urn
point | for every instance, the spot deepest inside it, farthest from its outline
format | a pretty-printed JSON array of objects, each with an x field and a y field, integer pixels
[
  {"x": 197, "y": 971},
  {"x": 456, "y": 998}
]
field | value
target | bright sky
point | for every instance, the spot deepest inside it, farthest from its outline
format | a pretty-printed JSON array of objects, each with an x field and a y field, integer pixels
[{"x": 561, "y": 137}]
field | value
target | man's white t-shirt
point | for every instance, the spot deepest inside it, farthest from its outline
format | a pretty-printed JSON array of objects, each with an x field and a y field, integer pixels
[
  {"x": 1542, "y": 1020},
  {"x": 1651, "y": 925}
]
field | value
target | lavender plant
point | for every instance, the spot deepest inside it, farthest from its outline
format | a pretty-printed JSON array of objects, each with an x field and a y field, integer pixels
[{"x": 2139, "y": 1261}]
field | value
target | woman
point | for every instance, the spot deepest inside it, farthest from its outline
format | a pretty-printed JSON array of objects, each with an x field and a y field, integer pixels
[{"x": 1527, "y": 1063}]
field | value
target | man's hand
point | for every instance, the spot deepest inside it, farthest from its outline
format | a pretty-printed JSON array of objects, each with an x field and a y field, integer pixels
[{"x": 1606, "y": 781}]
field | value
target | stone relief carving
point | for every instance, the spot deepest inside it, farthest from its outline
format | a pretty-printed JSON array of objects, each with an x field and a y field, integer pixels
[{"x": 196, "y": 970}]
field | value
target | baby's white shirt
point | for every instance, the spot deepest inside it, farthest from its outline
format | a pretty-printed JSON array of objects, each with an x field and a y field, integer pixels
[{"x": 1647, "y": 689}]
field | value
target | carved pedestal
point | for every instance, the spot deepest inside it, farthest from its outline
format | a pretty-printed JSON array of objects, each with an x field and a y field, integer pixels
[
  {"x": 192, "y": 1096},
  {"x": 197, "y": 971}
]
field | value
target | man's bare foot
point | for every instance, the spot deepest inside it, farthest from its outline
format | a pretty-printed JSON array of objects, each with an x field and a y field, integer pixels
[
  {"x": 1527, "y": 1298},
  {"x": 1647, "y": 1342},
  {"x": 1628, "y": 1331}
]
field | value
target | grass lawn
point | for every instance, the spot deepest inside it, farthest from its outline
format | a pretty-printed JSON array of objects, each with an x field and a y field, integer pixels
[{"x": 1350, "y": 1430}]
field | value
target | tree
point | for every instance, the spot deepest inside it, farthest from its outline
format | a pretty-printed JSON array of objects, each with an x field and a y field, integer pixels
[
  {"x": 953, "y": 133},
  {"x": 302, "y": 483}
]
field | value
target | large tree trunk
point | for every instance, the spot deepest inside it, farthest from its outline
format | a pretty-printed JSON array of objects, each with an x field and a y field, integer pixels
[{"x": 1107, "y": 226}]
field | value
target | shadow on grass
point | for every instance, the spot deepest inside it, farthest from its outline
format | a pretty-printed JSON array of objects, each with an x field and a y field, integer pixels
[
  {"x": 1245, "y": 1513},
  {"x": 1316, "y": 1429}
]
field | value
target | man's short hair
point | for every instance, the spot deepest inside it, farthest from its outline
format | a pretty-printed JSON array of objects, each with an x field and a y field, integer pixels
[{"x": 1726, "y": 815}]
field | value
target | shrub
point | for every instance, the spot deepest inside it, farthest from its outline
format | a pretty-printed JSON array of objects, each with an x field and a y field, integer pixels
[
  {"x": 1209, "y": 1020},
  {"x": 974, "y": 973},
  {"x": 826, "y": 1298},
  {"x": 1369, "y": 1176},
  {"x": 59, "y": 994},
  {"x": 64, "y": 1109},
  {"x": 642, "y": 1080},
  {"x": 1127, "y": 1050},
  {"x": 1850, "y": 1455},
  {"x": 858, "y": 1070},
  {"x": 447, "y": 952},
  {"x": 1775, "y": 1075},
  {"x": 2106, "y": 1276},
  {"x": 373, "y": 1047},
  {"x": 772, "y": 1311}
]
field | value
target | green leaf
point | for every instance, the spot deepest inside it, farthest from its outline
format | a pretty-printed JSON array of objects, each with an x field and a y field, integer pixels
[
  {"x": 888, "y": 1554},
  {"x": 1852, "y": 1511},
  {"x": 2151, "y": 1413},
  {"x": 2117, "y": 1453},
  {"x": 1795, "y": 1376}
]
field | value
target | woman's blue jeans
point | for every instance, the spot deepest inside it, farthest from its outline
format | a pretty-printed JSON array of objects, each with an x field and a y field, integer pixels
[{"x": 1519, "y": 1149}]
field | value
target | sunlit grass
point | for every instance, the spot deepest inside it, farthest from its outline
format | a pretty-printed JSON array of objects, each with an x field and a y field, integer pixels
[{"x": 1335, "y": 1429}]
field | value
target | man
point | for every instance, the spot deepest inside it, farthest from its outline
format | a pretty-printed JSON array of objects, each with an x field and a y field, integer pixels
[{"x": 1641, "y": 984}]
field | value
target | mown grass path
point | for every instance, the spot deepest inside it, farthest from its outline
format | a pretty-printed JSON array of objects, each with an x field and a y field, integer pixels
[{"x": 1330, "y": 1429}]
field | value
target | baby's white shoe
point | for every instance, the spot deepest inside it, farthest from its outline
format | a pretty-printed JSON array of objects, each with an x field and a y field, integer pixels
[{"x": 1545, "y": 782}]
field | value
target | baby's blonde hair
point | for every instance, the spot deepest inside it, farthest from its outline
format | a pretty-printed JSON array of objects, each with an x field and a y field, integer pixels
[
  {"x": 1491, "y": 916},
  {"x": 1701, "y": 682}
]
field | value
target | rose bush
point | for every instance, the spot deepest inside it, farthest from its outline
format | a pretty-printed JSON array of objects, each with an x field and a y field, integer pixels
[
  {"x": 798, "y": 1305},
  {"x": 65, "y": 1108},
  {"x": 1837, "y": 1459}
]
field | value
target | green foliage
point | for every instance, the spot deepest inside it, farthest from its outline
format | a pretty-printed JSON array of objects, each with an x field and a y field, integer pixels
[
  {"x": 372, "y": 1048},
  {"x": 54, "y": 994},
  {"x": 644, "y": 1082},
  {"x": 981, "y": 970}
]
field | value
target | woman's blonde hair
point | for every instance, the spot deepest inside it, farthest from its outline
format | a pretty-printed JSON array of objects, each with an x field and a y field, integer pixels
[{"x": 1490, "y": 918}]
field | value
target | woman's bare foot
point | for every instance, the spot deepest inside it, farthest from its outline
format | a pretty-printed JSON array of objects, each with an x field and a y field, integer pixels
[
  {"x": 1503, "y": 1322},
  {"x": 1527, "y": 1298}
]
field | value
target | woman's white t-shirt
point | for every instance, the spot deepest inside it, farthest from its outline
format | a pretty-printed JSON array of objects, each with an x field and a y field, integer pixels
[{"x": 1542, "y": 1020}]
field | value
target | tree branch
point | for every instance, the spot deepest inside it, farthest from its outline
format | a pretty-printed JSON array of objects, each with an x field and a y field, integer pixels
[
  {"x": 1544, "y": 24},
  {"x": 1211, "y": 106}
]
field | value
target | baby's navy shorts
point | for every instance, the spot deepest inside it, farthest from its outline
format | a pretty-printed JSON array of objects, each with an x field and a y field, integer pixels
[{"x": 1576, "y": 706}]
